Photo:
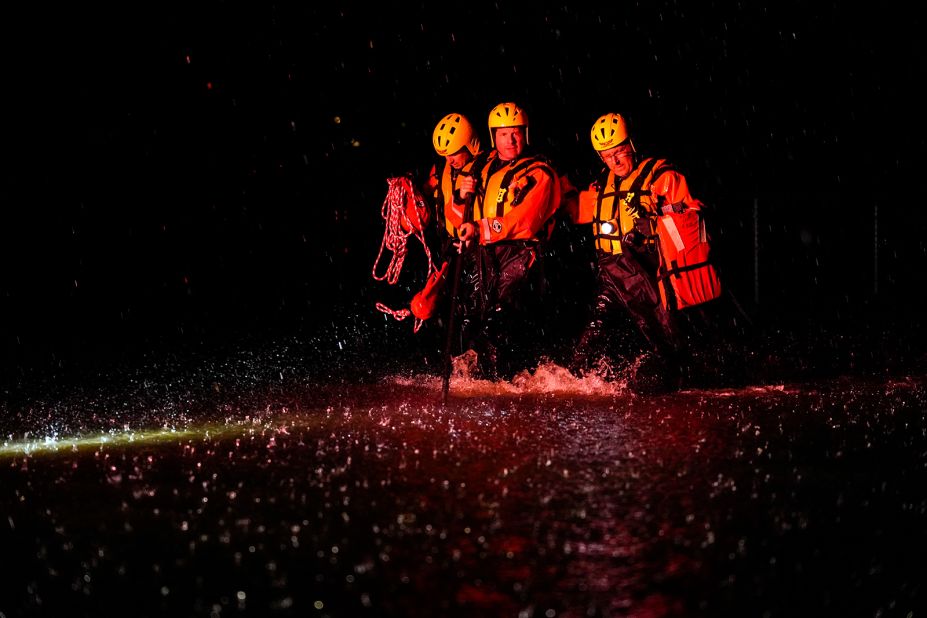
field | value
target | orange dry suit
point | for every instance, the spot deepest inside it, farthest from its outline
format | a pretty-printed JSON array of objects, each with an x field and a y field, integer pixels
[
  {"x": 622, "y": 213},
  {"x": 504, "y": 279}
]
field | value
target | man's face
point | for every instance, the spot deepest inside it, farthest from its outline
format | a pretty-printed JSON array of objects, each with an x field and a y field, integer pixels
[
  {"x": 510, "y": 141},
  {"x": 459, "y": 158},
  {"x": 620, "y": 159}
]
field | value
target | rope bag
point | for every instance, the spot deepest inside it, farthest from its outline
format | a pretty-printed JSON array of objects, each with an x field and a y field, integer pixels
[{"x": 403, "y": 210}]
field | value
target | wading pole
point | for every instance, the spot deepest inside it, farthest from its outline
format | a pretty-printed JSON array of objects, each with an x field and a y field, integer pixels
[
  {"x": 455, "y": 289},
  {"x": 451, "y": 326}
]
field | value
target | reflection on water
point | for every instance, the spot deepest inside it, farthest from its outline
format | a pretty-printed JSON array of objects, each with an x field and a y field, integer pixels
[{"x": 254, "y": 489}]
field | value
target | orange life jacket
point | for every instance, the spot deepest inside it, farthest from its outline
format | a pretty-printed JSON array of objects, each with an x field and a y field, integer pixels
[
  {"x": 624, "y": 204},
  {"x": 509, "y": 206},
  {"x": 684, "y": 261}
]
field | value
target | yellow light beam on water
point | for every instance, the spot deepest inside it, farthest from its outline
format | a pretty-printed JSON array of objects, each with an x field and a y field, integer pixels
[{"x": 52, "y": 444}]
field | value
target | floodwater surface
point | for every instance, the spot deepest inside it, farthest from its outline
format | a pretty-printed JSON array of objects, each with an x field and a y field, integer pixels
[{"x": 236, "y": 491}]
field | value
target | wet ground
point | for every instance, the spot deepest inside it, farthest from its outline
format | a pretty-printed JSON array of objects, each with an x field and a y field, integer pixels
[{"x": 276, "y": 481}]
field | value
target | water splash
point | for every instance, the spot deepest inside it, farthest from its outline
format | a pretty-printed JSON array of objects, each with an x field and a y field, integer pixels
[{"x": 548, "y": 378}]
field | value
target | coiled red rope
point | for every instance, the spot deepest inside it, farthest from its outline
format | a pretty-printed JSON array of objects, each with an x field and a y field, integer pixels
[{"x": 395, "y": 211}]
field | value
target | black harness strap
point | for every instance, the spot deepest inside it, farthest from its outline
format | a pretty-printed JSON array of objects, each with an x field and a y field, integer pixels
[
  {"x": 636, "y": 190},
  {"x": 519, "y": 167},
  {"x": 676, "y": 269}
]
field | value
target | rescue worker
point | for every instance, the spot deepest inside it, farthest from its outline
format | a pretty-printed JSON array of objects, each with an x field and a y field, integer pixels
[
  {"x": 516, "y": 194},
  {"x": 456, "y": 141},
  {"x": 458, "y": 144},
  {"x": 622, "y": 206}
]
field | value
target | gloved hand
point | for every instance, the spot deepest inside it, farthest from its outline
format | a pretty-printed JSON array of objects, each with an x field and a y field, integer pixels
[{"x": 633, "y": 239}]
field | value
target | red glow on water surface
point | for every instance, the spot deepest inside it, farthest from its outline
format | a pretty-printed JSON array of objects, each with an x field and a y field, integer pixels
[{"x": 544, "y": 495}]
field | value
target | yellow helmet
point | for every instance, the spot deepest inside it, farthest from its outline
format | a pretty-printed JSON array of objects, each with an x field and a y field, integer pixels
[
  {"x": 453, "y": 133},
  {"x": 609, "y": 131},
  {"x": 506, "y": 115}
]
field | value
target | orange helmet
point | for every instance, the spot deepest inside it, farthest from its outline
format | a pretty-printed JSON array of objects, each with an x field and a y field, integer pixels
[
  {"x": 506, "y": 115},
  {"x": 453, "y": 133},
  {"x": 609, "y": 131}
]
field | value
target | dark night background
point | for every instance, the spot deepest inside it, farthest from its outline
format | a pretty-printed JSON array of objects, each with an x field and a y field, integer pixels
[{"x": 189, "y": 174}]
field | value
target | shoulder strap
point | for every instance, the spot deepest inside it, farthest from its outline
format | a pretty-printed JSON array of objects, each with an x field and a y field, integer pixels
[
  {"x": 522, "y": 165},
  {"x": 479, "y": 162},
  {"x": 603, "y": 179},
  {"x": 644, "y": 174},
  {"x": 519, "y": 167}
]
